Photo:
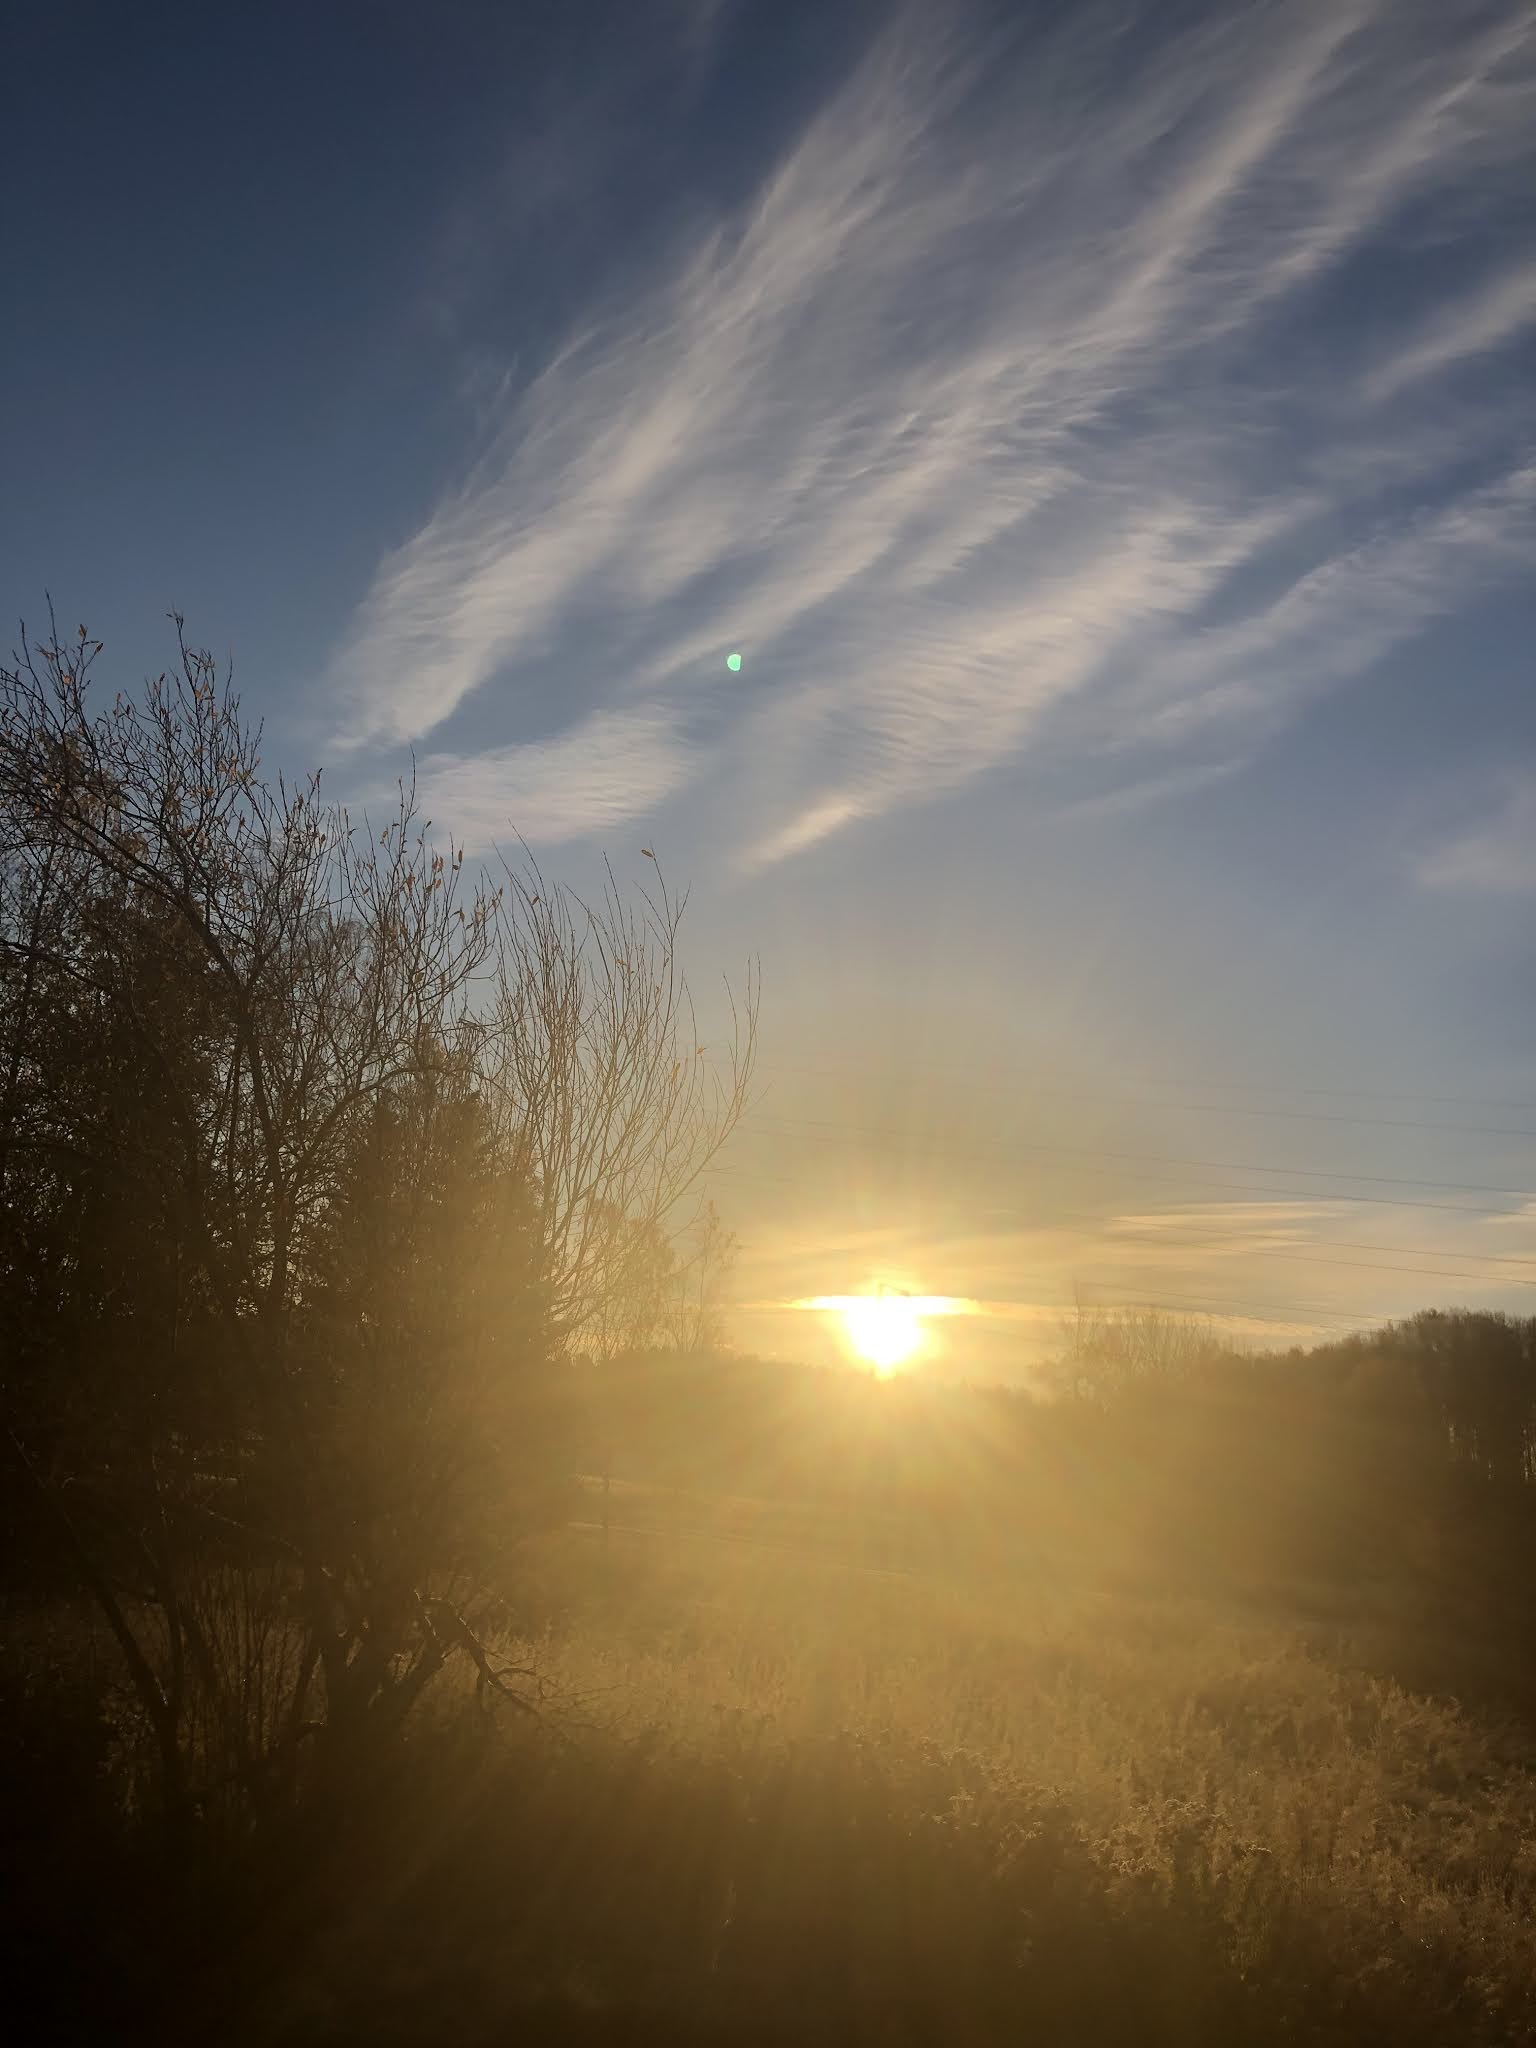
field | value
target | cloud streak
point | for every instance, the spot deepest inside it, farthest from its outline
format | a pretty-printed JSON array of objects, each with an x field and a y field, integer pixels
[
  {"x": 985, "y": 423},
  {"x": 612, "y": 768},
  {"x": 1495, "y": 856},
  {"x": 1491, "y": 318}
]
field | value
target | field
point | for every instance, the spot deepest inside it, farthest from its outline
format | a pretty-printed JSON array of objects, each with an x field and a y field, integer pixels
[{"x": 775, "y": 1793}]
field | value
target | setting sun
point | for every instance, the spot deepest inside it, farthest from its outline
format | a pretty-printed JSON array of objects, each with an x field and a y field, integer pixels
[{"x": 885, "y": 1329}]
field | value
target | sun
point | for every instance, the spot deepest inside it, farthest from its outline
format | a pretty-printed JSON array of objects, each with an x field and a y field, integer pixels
[
  {"x": 885, "y": 1329},
  {"x": 887, "y": 1326}
]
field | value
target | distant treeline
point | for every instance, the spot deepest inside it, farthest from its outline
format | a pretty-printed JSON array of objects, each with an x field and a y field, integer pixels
[
  {"x": 1452, "y": 1391},
  {"x": 1406, "y": 1456}
]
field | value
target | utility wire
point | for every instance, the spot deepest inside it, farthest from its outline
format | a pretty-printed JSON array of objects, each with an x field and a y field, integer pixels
[
  {"x": 1300, "y": 1257},
  {"x": 1236, "y": 1187},
  {"x": 1185, "y": 1081},
  {"x": 1295, "y": 1312},
  {"x": 1355, "y": 1244},
  {"x": 886, "y": 1132},
  {"x": 1309, "y": 1314},
  {"x": 1349, "y": 1244},
  {"x": 1308, "y": 1116},
  {"x": 1376, "y": 1266}
]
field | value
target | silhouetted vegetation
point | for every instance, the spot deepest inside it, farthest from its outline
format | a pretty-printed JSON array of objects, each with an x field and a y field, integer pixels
[
  {"x": 417, "y": 1627},
  {"x": 1389, "y": 1467}
]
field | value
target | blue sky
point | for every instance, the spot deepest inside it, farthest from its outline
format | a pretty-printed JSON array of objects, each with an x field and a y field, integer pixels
[{"x": 1107, "y": 433}]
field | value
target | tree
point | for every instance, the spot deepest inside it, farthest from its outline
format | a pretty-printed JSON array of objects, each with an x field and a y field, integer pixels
[
  {"x": 602, "y": 1088},
  {"x": 663, "y": 1287},
  {"x": 309, "y": 1152},
  {"x": 1110, "y": 1353}
]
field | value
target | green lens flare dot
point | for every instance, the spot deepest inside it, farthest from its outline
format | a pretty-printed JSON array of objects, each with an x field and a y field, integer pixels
[{"x": 733, "y": 662}]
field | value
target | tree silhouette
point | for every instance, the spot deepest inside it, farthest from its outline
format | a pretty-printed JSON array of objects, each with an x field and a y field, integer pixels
[{"x": 297, "y": 1223}]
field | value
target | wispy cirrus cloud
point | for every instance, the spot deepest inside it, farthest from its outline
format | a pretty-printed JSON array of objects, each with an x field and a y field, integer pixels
[
  {"x": 1013, "y": 401},
  {"x": 1488, "y": 320},
  {"x": 1496, "y": 855},
  {"x": 612, "y": 767},
  {"x": 1338, "y": 618}
]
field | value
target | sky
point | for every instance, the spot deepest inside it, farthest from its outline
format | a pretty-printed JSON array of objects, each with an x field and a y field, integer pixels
[{"x": 1107, "y": 433}]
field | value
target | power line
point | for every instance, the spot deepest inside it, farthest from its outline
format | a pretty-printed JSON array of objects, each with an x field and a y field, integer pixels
[
  {"x": 1351, "y": 1244},
  {"x": 1311, "y": 1312},
  {"x": 1235, "y": 1187},
  {"x": 879, "y": 1132},
  {"x": 1310, "y": 1116},
  {"x": 1300, "y": 1257},
  {"x": 1258, "y": 1309},
  {"x": 1290, "y": 1311},
  {"x": 1186, "y": 1081},
  {"x": 1375, "y": 1266},
  {"x": 1354, "y": 1244},
  {"x": 1239, "y": 1187}
]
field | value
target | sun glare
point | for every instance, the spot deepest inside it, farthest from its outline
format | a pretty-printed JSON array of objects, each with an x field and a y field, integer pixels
[{"x": 884, "y": 1328}]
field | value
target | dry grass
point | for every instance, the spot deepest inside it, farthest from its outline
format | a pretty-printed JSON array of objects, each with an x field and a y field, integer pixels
[
  {"x": 1338, "y": 1836},
  {"x": 779, "y": 1797}
]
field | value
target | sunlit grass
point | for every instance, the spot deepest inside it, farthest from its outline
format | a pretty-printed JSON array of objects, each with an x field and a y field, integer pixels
[{"x": 1303, "y": 1799}]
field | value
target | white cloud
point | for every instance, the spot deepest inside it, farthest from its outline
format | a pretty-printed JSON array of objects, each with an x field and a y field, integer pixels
[
  {"x": 612, "y": 768},
  {"x": 1229, "y": 1226},
  {"x": 1523, "y": 1218},
  {"x": 1153, "y": 789},
  {"x": 1339, "y": 618},
  {"x": 942, "y": 430},
  {"x": 1483, "y": 322},
  {"x": 1495, "y": 856}
]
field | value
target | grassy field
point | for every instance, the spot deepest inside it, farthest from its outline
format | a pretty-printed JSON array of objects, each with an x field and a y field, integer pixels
[
  {"x": 778, "y": 1794},
  {"x": 780, "y": 1786}
]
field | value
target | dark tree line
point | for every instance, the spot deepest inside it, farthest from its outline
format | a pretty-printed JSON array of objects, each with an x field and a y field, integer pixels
[
  {"x": 317, "y": 1161},
  {"x": 1474, "y": 1374},
  {"x": 1391, "y": 1470}
]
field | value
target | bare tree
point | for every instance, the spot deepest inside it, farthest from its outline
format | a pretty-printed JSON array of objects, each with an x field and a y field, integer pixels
[
  {"x": 613, "y": 1103},
  {"x": 703, "y": 1258},
  {"x": 1109, "y": 1351},
  {"x": 313, "y": 1156}
]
